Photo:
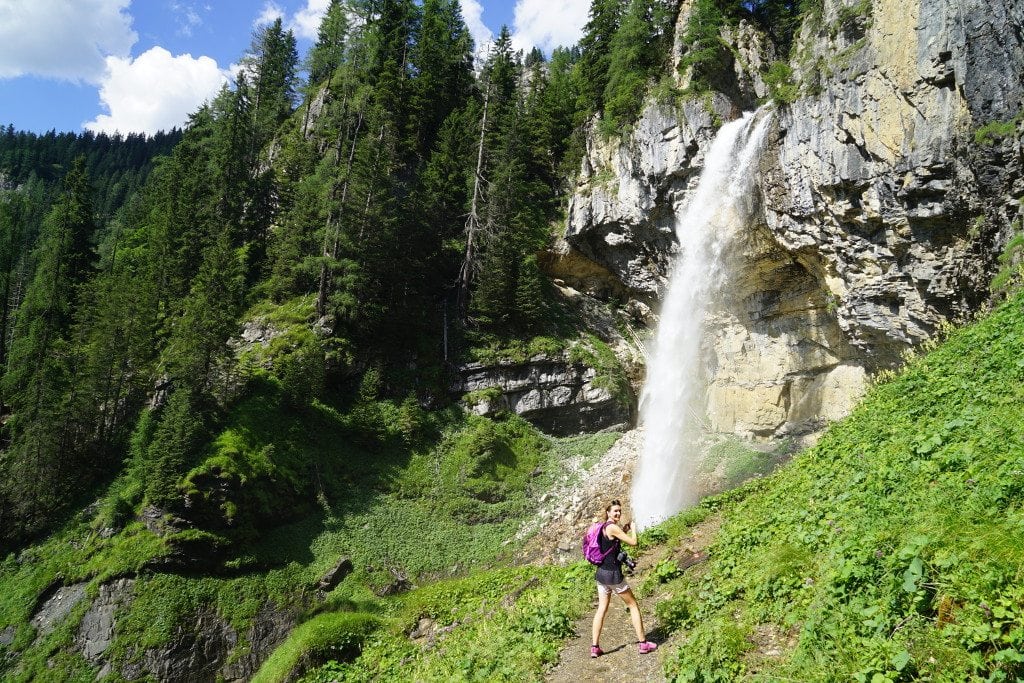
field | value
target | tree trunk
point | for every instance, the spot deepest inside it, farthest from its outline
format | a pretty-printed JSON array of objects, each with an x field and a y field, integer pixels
[{"x": 469, "y": 261}]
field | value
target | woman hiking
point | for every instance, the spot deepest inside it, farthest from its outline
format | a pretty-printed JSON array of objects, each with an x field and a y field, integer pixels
[{"x": 610, "y": 579}]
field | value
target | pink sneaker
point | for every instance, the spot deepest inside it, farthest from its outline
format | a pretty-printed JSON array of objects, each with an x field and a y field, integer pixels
[
  {"x": 595, "y": 651},
  {"x": 647, "y": 646}
]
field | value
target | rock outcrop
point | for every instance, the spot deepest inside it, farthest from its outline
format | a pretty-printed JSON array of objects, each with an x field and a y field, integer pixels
[
  {"x": 555, "y": 394},
  {"x": 206, "y": 647},
  {"x": 880, "y": 215}
]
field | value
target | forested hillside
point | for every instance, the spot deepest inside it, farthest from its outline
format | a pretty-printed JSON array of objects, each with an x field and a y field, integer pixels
[{"x": 117, "y": 165}]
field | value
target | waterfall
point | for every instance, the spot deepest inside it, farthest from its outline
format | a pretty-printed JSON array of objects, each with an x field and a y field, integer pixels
[{"x": 673, "y": 400}]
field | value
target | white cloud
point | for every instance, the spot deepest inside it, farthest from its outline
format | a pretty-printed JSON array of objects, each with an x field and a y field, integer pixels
[
  {"x": 471, "y": 13},
  {"x": 547, "y": 25},
  {"x": 271, "y": 13},
  {"x": 155, "y": 91},
  {"x": 61, "y": 39},
  {"x": 306, "y": 22}
]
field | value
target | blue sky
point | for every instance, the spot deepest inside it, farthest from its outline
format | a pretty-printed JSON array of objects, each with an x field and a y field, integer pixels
[{"x": 143, "y": 65}]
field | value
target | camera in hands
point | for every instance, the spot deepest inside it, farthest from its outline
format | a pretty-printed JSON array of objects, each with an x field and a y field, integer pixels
[{"x": 626, "y": 560}]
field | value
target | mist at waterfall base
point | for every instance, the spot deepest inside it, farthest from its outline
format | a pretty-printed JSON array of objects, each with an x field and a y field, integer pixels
[{"x": 673, "y": 401}]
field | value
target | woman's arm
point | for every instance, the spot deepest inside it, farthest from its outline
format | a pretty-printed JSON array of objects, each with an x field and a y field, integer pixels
[{"x": 626, "y": 535}]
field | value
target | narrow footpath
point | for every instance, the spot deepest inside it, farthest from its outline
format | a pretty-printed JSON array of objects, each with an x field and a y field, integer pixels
[{"x": 621, "y": 661}]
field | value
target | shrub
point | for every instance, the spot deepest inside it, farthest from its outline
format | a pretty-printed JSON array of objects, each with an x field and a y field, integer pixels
[
  {"x": 994, "y": 131},
  {"x": 333, "y": 636},
  {"x": 781, "y": 87}
]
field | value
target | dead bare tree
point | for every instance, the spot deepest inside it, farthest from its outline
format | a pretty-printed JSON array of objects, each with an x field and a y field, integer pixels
[{"x": 470, "y": 260}]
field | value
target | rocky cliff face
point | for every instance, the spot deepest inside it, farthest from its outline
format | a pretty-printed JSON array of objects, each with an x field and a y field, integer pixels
[
  {"x": 553, "y": 393},
  {"x": 880, "y": 215}
]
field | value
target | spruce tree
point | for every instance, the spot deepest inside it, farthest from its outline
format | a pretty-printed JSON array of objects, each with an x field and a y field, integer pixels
[
  {"x": 443, "y": 60},
  {"x": 596, "y": 46},
  {"x": 513, "y": 219},
  {"x": 208, "y": 319},
  {"x": 328, "y": 52},
  {"x": 177, "y": 437}
]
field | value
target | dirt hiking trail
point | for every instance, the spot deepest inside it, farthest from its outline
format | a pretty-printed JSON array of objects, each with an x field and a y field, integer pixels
[{"x": 621, "y": 661}]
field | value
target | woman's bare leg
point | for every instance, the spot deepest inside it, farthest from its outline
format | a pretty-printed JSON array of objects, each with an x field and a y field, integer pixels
[
  {"x": 634, "y": 614},
  {"x": 602, "y": 608}
]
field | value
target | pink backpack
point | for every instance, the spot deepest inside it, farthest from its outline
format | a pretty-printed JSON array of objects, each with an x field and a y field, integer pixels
[{"x": 591, "y": 546}]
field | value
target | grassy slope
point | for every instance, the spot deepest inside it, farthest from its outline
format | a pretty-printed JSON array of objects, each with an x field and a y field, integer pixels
[{"x": 894, "y": 549}]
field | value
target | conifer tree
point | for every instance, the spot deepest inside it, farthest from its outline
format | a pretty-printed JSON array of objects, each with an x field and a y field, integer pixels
[
  {"x": 177, "y": 436},
  {"x": 273, "y": 62},
  {"x": 704, "y": 49},
  {"x": 115, "y": 330},
  {"x": 209, "y": 317},
  {"x": 443, "y": 59},
  {"x": 596, "y": 46},
  {"x": 557, "y": 136},
  {"x": 19, "y": 224},
  {"x": 186, "y": 198},
  {"x": 513, "y": 219},
  {"x": 628, "y": 67},
  {"x": 327, "y": 54}
]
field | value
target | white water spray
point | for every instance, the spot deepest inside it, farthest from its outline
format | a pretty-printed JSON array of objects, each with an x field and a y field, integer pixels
[{"x": 673, "y": 401}]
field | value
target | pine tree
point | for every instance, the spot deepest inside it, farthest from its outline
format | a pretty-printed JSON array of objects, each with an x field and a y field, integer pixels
[
  {"x": 186, "y": 198},
  {"x": 513, "y": 221},
  {"x": 273, "y": 62},
  {"x": 596, "y": 46},
  {"x": 631, "y": 63},
  {"x": 19, "y": 225},
  {"x": 177, "y": 436},
  {"x": 115, "y": 329},
  {"x": 557, "y": 135},
  {"x": 329, "y": 51},
  {"x": 443, "y": 60},
  {"x": 209, "y": 317},
  {"x": 704, "y": 50}
]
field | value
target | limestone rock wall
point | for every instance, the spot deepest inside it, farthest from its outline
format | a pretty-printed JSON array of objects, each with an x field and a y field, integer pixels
[
  {"x": 880, "y": 216},
  {"x": 553, "y": 393}
]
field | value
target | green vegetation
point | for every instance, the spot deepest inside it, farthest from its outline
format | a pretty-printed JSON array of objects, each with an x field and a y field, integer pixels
[
  {"x": 263, "y": 213},
  {"x": 779, "y": 79},
  {"x": 493, "y": 350},
  {"x": 889, "y": 550},
  {"x": 332, "y": 635},
  {"x": 994, "y": 131},
  {"x": 440, "y": 494},
  {"x": 405, "y": 217},
  {"x": 505, "y": 624},
  {"x": 732, "y": 462},
  {"x": 118, "y": 165},
  {"x": 610, "y": 375},
  {"x": 705, "y": 53},
  {"x": 1009, "y": 275},
  {"x": 853, "y": 19}
]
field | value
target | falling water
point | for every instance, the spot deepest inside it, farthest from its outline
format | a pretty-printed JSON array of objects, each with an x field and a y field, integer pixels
[{"x": 673, "y": 401}]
